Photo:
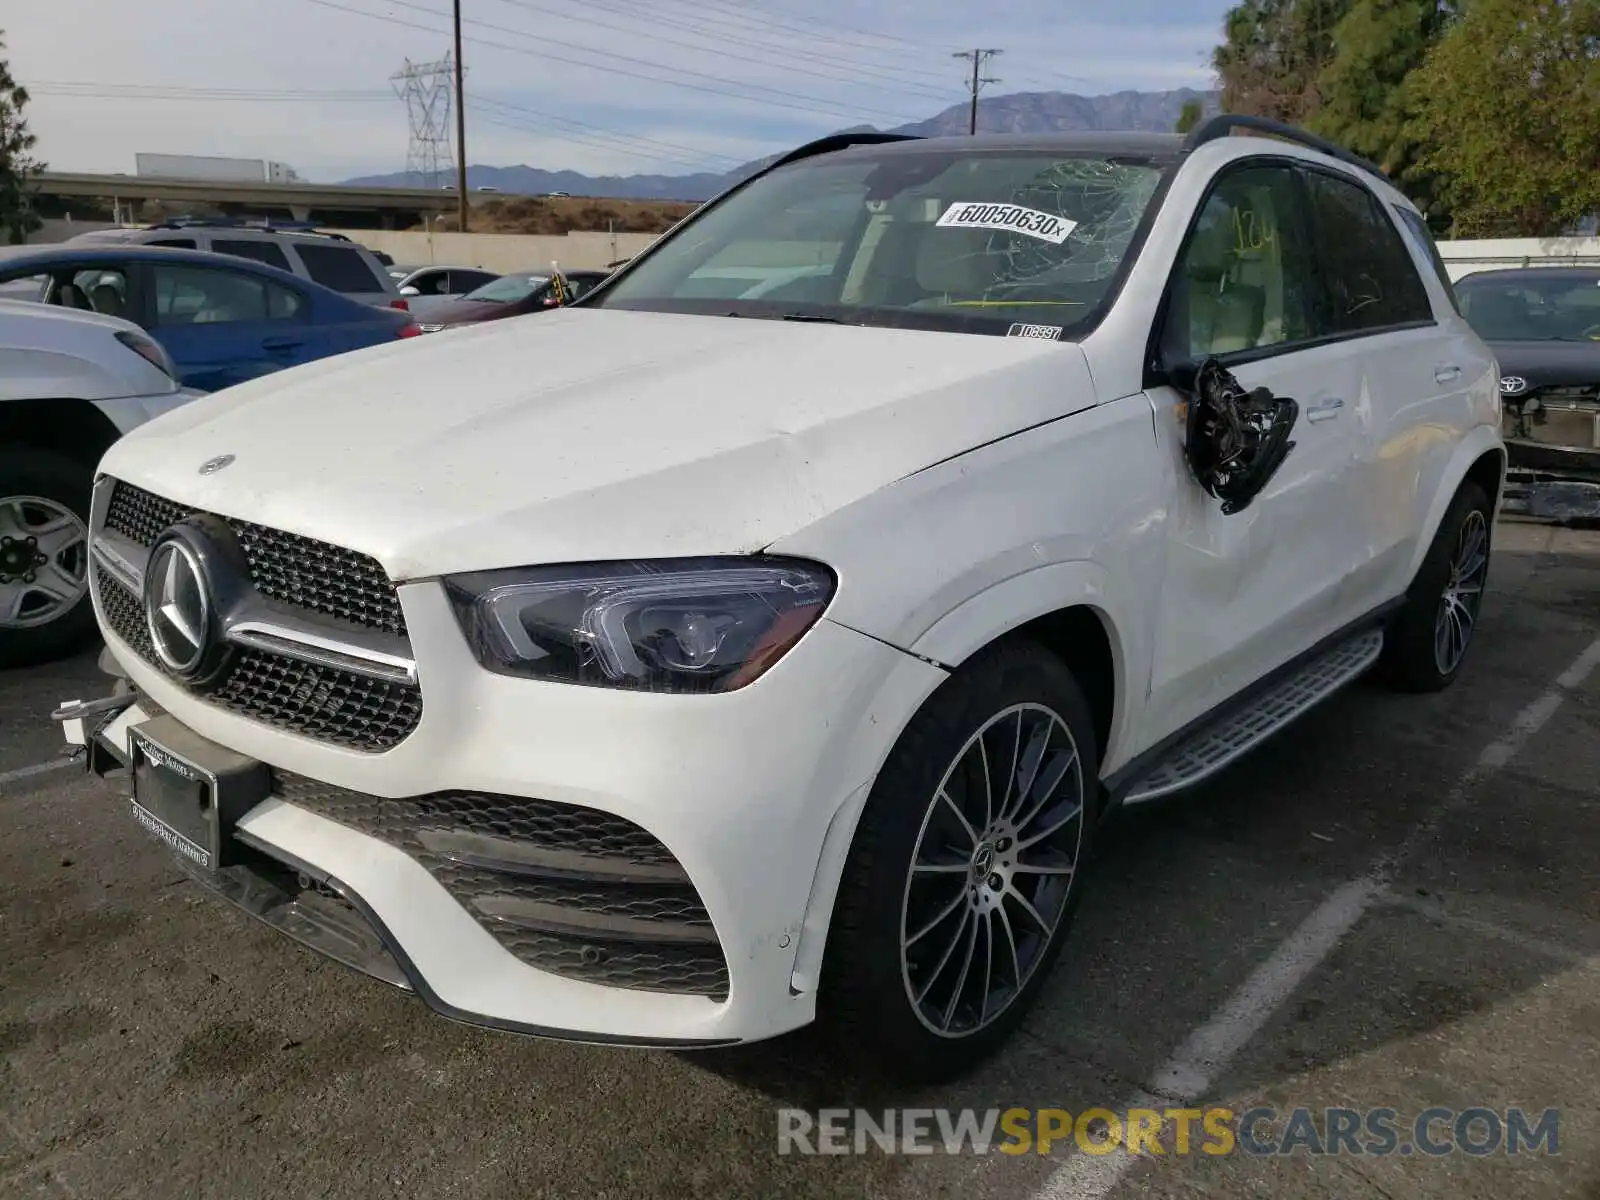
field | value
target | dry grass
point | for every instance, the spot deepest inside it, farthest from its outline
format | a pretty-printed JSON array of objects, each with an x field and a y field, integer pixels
[{"x": 567, "y": 214}]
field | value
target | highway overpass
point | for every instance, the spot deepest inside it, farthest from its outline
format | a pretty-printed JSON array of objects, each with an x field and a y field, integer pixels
[{"x": 330, "y": 204}]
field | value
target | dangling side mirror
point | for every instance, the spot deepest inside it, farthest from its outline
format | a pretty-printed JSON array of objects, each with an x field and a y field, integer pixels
[{"x": 1235, "y": 440}]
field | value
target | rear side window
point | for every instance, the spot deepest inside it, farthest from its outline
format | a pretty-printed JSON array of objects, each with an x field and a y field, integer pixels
[
  {"x": 340, "y": 269},
  {"x": 1418, "y": 229},
  {"x": 265, "y": 252},
  {"x": 189, "y": 295},
  {"x": 179, "y": 243},
  {"x": 1369, "y": 281}
]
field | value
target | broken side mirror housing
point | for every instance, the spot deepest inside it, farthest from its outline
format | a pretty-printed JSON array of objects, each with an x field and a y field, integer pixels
[{"x": 1235, "y": 440}]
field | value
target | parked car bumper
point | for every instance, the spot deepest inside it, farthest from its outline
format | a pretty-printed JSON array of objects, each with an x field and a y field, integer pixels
[{"x": 558, "y": 860}]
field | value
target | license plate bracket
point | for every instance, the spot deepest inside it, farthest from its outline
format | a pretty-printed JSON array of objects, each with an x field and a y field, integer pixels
[{"x": 190, "y": 793}]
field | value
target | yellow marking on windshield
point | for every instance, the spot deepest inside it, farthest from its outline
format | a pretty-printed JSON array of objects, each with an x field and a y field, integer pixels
[{"x": 1011, "y": 303}]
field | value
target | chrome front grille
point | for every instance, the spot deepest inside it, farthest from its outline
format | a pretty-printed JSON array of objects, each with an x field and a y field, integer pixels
[
  {"x": 573, "y": 891},
  {"x": 286, "y": 567},
  {"x": 321, "y": 652}
]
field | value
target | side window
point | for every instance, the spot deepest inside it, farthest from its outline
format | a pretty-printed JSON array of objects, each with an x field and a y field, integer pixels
[
  {"x": 186, "y": 295},
  {"x": 180, "y": 243},
  {"x": 340, "y": 269},
  {"x": 1418, "y": 229},
  {"x": 462, "y": 282},
  {"x": 261, "y": 251},
  {"x": 1370, "y": 281},
  {"x": 1243, "y": 279}
]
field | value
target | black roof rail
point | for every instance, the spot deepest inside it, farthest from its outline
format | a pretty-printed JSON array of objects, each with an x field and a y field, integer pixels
[
  {"x": 1223, "y": 124},
  {"x": 836, "y": 141}
]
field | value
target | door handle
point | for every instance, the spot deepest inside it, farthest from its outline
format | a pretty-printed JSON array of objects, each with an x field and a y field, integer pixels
[
  {"x": 1324, "y": 410},
  {"x": 1447, "y": 374},
  {"x": 279, "y": 344}
]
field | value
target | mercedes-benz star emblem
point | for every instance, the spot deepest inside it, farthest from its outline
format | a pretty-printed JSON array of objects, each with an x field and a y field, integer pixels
[
  {"x": 177, "y": 607},
  {"x": 212, "y": 465},
  {"x": 1512, "y": 384}
]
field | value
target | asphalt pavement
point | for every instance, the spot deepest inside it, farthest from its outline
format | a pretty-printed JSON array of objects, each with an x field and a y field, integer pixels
[{"x": 1395, "y": 905}]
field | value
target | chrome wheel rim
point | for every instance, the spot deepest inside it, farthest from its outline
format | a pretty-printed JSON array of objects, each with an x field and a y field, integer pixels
[
  {"x": 1463, "y": 594},
  {"x": 44, "y": 561},
  {"x": 992, "y": 871}
]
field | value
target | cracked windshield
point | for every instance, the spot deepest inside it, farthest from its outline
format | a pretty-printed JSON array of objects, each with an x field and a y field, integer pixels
[{"x": 976, "y": 241}]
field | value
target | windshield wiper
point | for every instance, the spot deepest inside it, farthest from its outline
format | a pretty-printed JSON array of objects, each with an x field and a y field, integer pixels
[{"x": 813, "y": 317}]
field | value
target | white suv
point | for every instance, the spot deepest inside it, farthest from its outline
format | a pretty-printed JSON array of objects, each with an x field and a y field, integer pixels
[
  {"x": 762, "y": 638},
  {"x": 331, "y": 259},
  {"x": 71, "y": 383}
]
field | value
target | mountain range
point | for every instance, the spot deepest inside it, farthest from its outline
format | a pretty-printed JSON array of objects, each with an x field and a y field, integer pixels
[{"x": 1021, "y": 112}]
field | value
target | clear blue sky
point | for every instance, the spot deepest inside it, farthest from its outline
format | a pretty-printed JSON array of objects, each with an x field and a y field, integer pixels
[{"x": 600, "y": 86}]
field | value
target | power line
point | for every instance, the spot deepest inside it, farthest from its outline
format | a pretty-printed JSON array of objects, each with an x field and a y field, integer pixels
[
  {"x": 139, "y": 91},
  {"x": 978, "y": 57},
  {"x": 496, "y": 117},
  {"x": 697, "y": 158},
  {"x": 637, "y": 144},
  {"x": 837, "y": 70},
  {"x": 813, "y": 104}
]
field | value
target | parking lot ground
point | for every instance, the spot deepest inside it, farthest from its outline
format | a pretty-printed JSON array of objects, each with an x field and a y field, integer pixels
[{"x": 1396, "y": 904}]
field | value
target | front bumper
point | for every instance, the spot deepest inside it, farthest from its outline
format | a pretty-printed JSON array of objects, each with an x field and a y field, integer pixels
[{"x": 754, "y": 794}]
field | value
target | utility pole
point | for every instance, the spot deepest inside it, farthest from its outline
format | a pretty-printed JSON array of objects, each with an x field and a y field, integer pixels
[
  {"x": 461, "y": 133},
  {"x": 978, "y": 57}
]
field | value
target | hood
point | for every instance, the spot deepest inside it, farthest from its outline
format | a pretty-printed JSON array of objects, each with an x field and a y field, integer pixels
[
  {"x": 458, "y": 311},
  {"x": 596, "y": 434},
  {"x": 1549, "y": 364}
]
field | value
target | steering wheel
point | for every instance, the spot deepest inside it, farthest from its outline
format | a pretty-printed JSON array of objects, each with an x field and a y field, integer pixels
[{"x": 1592, "y": 333}]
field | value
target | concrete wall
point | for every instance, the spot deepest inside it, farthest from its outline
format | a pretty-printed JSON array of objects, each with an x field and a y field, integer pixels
[{"x": 503, "y": 251}]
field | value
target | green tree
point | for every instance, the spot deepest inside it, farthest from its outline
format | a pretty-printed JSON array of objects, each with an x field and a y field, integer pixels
[
  {"x": 1508, "y": 107},
  {"x": 17, "y": 216},
  {"x": 1189, "y": 116},
  {"x": 1369, "y": 90},
  {"x": 1273, "y": 53}
]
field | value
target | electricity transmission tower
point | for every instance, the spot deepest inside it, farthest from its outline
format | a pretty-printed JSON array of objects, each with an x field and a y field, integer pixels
[
  {"x": 978, "y": 57},
  {"x": 426, "y": 89}
]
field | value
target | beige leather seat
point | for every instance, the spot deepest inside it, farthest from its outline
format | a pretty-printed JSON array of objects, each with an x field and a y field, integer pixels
[{"x": 953, "y": 265}]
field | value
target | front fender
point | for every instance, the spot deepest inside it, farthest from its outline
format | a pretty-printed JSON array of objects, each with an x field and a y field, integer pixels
[{"x": 1012, "y": 603}]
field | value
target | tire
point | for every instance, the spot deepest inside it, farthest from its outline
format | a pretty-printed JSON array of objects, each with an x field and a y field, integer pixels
[
  {"x": 1414, "y": 657},
  {"x": 866, "y": 1006},
  {"x": 37, "y": 487}
]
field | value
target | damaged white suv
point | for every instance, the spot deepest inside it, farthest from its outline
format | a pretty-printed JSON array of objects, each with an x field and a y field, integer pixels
[{"x": 761, "y": 639}]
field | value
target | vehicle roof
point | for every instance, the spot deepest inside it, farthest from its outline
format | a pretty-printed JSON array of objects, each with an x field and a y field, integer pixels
[
  {"x": 32, "y": 310},
  {"x": 1153, "y": 145},
  {"x": 95, "y": 253},
  {"x": 131, "y": 235},
  {"x": 1574, "y": 271}
]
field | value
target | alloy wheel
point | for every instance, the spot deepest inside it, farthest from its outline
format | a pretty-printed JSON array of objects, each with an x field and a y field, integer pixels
[
  {"x": 1463, "y": 593},
  {"x": 44, "y": 561},
  {"x": 993, "y": 870}
]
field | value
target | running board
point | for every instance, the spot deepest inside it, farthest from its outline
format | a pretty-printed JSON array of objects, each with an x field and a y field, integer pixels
[{"x": 1217, "y": 745}]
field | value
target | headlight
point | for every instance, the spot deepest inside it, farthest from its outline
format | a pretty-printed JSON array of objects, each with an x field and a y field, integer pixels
[{"x": 677, "y": 625}]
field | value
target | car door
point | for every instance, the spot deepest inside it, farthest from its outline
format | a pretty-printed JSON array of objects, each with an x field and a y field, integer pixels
[
  {"x": 223, "y": 327},
  {"x": 1422, "y": 363},
  {"x": 1246, "y": 592}
]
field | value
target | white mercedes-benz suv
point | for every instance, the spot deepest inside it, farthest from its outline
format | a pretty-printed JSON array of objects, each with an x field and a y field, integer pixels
[{"x": 761, "y": 639}]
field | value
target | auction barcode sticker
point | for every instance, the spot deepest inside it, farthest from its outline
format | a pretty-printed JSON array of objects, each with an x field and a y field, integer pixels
[{"x": 1012, "y": 218}]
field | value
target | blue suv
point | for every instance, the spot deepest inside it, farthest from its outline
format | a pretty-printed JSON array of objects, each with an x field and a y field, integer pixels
[{"x": 222, "y": 319}]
